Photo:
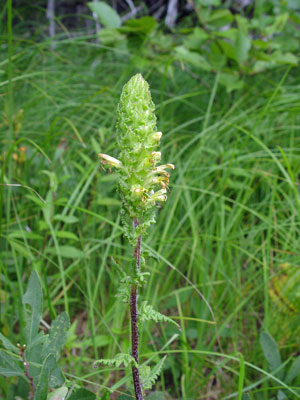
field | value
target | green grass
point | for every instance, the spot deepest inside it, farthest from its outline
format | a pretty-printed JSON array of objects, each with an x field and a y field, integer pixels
[{"x": 229, "y": 231}]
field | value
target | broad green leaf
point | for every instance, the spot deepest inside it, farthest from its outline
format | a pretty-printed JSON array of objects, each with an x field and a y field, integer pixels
[
  {"x": 231, "y": 82},
  {"x": 141, "y": 26},
  {"x": 57, "y": 336},
  {"x": 108, "y": 37},
  {"x": 42, "y": 387},
  {"x": 58, "y": 394},
  {"x": 220, "y": 18},
  {"x": 195, "y": 39},
  {"x": 66, "y": 235},
  {"x": 9, "y": 366},
  {"x": 8, "y": 344},
  {"x": 293, "y": 372},
  {"x": 271, "y": 352},
  {"x": 67, "y": 252},
  {"x": 106, "y": 14},
  {"x": 243, "y": 41},
  {"x": 193, "y": 58},
  {"x": 82, "y": 394},
  {"x": 33, "y": 297}
]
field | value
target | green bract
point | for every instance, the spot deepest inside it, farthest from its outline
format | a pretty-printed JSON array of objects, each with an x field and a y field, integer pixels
[{"x": 141, "y": 183}]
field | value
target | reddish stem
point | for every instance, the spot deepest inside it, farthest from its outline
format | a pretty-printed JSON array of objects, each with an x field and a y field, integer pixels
[{"x": 134, "y": 322}]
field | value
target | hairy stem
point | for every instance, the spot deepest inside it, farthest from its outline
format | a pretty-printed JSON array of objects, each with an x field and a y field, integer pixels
[{"x": 134, "y": 323}]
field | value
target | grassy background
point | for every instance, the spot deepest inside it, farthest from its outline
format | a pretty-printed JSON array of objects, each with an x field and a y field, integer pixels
[{"x": 229, "y": 230}]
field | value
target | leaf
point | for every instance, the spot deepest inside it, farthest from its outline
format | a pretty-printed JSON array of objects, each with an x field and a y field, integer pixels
[
  {"x": 243, "y": 41},
  {"x": 120, "y": 358},
  {"x": 67, "y": 252},
  {"x": 58, "y": 394},
  {"x": 293, "y": 372},
  {"x": 67, "y": 219},
  {"x": 220, "y": 18},
  {"x": 231, "y": 82},
  {"x": 192, "y": 57},
  {"x": 8, "y": 345},
  {"x": 82, "y": 394},
  {"x": 139, "y": 26},
  {"x": 106, "y": 14},
  {"x": 57, "y": 336},
  {"x": 42, "y": 387},
  {"x": 66, "y": 235},
  {"x": 149, "y": 376},
  {"x": 8, "y": 365},
  {"x": 147, "y": 313},
  {"x": 195, "y": 39},
  {"x": 33, "y": 297},
  {"x": 271, "y": 352}
]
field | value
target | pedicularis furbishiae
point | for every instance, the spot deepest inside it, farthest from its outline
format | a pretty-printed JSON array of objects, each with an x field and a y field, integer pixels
[{"x": 142, "y": 186}]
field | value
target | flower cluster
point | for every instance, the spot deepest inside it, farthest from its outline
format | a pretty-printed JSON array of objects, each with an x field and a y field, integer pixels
[{"x": 142, "y": 184}]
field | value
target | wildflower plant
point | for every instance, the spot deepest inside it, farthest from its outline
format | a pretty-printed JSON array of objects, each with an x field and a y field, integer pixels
[{"x": 142, "y": 186}]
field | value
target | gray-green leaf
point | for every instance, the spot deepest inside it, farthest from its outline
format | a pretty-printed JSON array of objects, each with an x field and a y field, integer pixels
[
  {"x": 271, "y": 352},
  {"x": 42, "y": 388},
  {"x": 33, "y": 297},
  {"x": 57, "y": 336}
]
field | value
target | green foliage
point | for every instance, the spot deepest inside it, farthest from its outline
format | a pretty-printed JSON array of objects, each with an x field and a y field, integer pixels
[
  {"x": 106, "y": 14},
  {"x": 36, "y": 361},
  {"x": 121, "y": 358},
  {"x": 287, "y": 375},
  {"x": 148, "y": 313},
  {"x": 150, "y": 375}
]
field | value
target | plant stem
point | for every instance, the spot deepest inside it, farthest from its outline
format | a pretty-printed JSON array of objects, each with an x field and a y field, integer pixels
[{"x": 134, "y": 322}]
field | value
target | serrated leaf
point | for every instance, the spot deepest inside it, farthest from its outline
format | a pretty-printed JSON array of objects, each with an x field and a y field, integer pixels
[
  {"x": 9, "y": 366},
  {"x": 149, "y": 376},
  {"x": 271, "y": 352},
  {"x": 58, "y": 394},
  {"x": 82, "y": 394},
  {"x": 33, "y": 297},
  {"x": 8, "y": 344},
  {"x": 57, "y": 336},
  {"x": 147, "y": 313},
  {"x": 67, "y": 252},
  {"x": 293, "y": 372},
  {"x": 106, "y": 14},
  {"x": 120, "y": 358},
  {"x": 42, "y": 387}
]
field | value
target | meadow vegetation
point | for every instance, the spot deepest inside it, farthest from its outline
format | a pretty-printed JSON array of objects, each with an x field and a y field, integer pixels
[{"x": 228, "y": 233}]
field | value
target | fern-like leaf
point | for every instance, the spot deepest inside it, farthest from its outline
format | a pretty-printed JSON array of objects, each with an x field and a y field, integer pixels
[
  {"x": 124, "y": 289},
  {"x": 120, "y": 358},
  {"x": 147, "y": 313},
  {"x": 149, "y": 376}
]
